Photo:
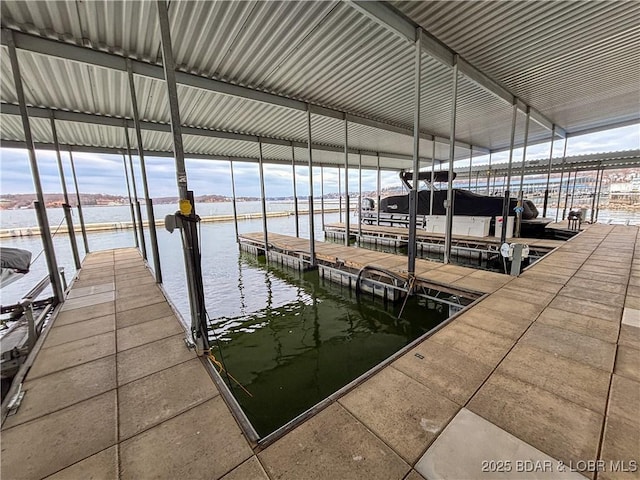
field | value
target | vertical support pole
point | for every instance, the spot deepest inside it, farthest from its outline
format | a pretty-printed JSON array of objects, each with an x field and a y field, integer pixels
[
  {"x": 433, "y": 171},
  {"x": 80, "y": 214},
  {"x": 340, "y": 194},
  {"x": 187, "y": 217},
  {"x": 233, "y": 198},
  {"x": 546, "y": 190},
  {"x": 489, "y": 176},
  {"x": 566, "y": 196},
  {"x": 378, "y": 187},
  {"x": 263, "y": 199},
  {"x": 452, "y": 150},
  {"x": 295, "y": 192},
  {"x": 573, "y": 190},
  {"x": 593, "y": 201},
  {"x": 599, "y": 192},
  {"x": 475, "y": 189},
  {"x": 45, "y": 232},
  {"x": 143, "y": 242},
  {"x": 346, "y": 182},
  {"x": 507, "y": 191},
  {"x": 524, "y": 161},
  {"x": 153, "y": 236},
  {"x": 134, "y": 224},
  {"x": 312, "y": 231},
  {"x": 413, "y": 194},
  {"x": 322, "y": 195},
  {"x": 360, "y": 196},
  {"x": 564, "y": 156},
  {"x": 470, "y": 164},
  {"x": 66, "y": 207}
]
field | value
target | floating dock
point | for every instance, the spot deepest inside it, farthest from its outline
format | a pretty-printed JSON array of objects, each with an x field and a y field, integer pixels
[
  {"x": 540, "y": 373},
  {"x": 398, "y": 237}
]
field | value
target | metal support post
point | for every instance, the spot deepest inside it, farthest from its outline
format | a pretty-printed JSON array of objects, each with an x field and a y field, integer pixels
[
  {"x": 378, "y": 182},
  {"x": 133, "y": 215},
  {"x": 413, "y": 194},
  {"x": 188, "y": 219},
  {"x": 346, "y": 182},
  {"x": 452, "y": 149},
  {"x": 546, "y": 190},
  {"x": 470, "y": 164},
  {"x": 507, "y": 193},
  {"x": 599, "y": 192},
  {"x": 312, "y": 231},
  {"x": 566, "y": 196},
  {"x": 573, "y": 189},
  {"x": 433, "y": 171},
  {"x": 233, "y": 199},
  {"x": 45, "y": 233},
  {"x": 564, "y": 156},
  {"x": 65, "y": 206},
  {"x": 151, "y": 218},
  {"x": 489, "y": 176},
  {"x": 263, "y": 200},
  {"x": 476, "y": 186},
  {"x": 360, "y": 196},
  {"x": 143, "y": 242},
  {"x": 340, "y": 194},
  {"x": 80, "y": 214},
  {"x": 295, "y": 192},
  {"x": 524, "y": 161},
  {"x": 322, "y": 195},
  {"x": 593, "y": 201}
]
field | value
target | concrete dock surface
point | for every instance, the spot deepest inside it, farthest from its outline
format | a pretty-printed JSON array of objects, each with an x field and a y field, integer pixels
[{"x": 539, "y": 379}]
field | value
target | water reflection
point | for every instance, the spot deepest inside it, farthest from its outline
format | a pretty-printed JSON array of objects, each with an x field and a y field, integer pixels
[{"x": 290, "y": 355}]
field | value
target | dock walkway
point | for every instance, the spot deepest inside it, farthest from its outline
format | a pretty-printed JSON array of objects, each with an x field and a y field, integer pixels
[
  {"x": 544, "y": 369},
  {"x": 434, "y": 274}
]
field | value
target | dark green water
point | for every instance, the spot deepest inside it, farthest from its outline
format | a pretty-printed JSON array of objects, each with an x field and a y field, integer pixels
[{"x": 291, "y": 356}]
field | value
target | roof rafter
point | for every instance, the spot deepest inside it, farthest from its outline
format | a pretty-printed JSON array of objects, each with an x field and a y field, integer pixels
[{"x": 67, "y": 51}]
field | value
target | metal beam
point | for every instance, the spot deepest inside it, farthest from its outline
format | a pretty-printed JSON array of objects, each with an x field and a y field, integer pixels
[
  {"x": 263, "y": 200},
  {"x": 153, "y": 235},
  {"x": 312, "y": 230},
  {"x": 93, "y": 119},
  {"x": 507, "y": 192},
  {"x": 295, "y": 191},
  {"x": 67, "y": 51},
  {"x": 66, "y": 207},
  {"x": 448, "y": 233},
  {"x": 413, "y": 194},
  {"x": 233, "y": 198},
  {"x": 80, "y": 214},
  {"x": 45, "y": 232},
  {"x": 143, "y": 242},
  {"x": 133, "y": 215},
  {"x": 395, "y": 21},
  {"x": 187, "y": 218},
  {"x": 346, "y": 181}
]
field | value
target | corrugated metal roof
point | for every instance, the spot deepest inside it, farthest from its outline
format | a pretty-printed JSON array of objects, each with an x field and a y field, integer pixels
[
  {"x": 576, "y": 62},
  {"x": 571, "y": 60}
]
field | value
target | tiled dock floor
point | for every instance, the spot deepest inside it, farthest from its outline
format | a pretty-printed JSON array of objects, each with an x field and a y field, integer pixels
[{"x": 545, "y": 369}]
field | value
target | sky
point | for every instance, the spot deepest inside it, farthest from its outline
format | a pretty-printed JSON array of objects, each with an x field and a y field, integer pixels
[{"x": 100, "y": 173}]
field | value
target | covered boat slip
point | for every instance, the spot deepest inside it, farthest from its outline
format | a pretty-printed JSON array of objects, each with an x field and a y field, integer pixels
[{"x": 114, "y": 392}]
